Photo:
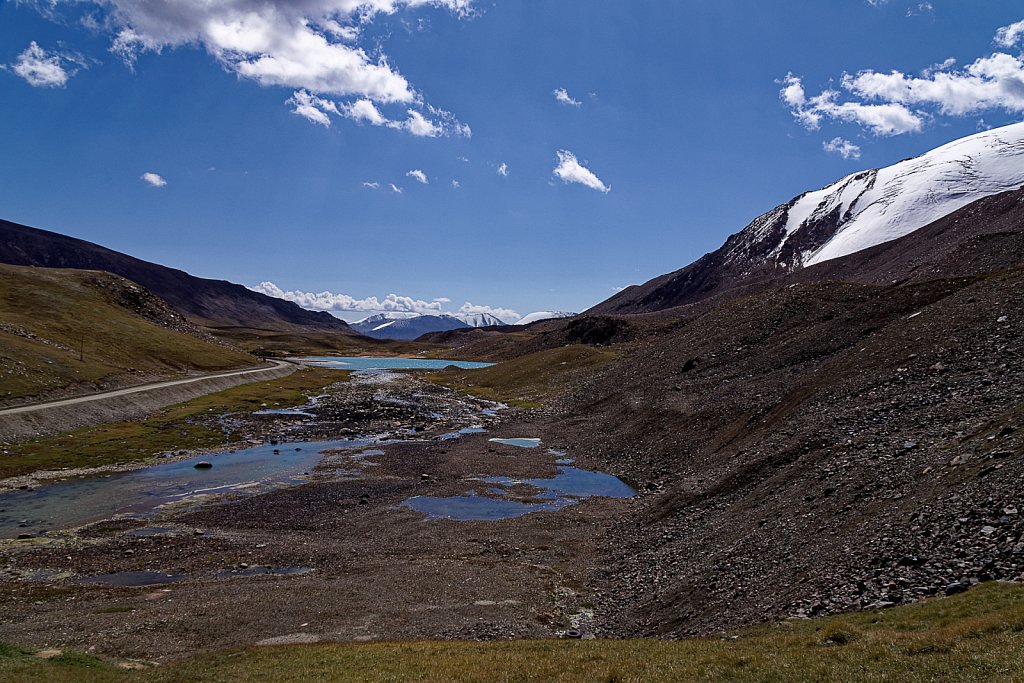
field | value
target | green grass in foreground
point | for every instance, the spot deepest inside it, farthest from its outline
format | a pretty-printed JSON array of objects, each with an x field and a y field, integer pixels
[
  {"x": 526, "y": 381},
  {"x": 184, "y": 426},
  {"x": 977, "y": 636}
]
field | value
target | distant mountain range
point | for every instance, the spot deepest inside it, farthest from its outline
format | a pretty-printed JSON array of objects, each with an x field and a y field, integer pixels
[
  {"x": 211, "y": 303},
  {"x": 400, "y": 325},
  {"x": 812, "y": 233}
]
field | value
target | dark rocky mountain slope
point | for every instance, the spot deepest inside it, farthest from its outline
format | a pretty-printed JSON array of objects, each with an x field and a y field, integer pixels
[{"x": 212, "y": 303}]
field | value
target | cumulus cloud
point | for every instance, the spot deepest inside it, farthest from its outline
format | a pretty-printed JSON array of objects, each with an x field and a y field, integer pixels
[
  {"x": 506, "y": 315},
  {"x": 893, "y": 103},
  {"x": 844, "y": 148},
  {"x": 310, "y": 46},
  {"x": 562, "y": 95},
  {"x": 418, "y": 175},
  {"x": 153, "y": 179},
  {"x": 1008, "y": 36},
  {"x": 40, "y": 68},
  {"x": 503, "y": 169},
  {"x": 570, "y": 170},
  {"x": 456, "y": 184},
  {"x": 329, "y": 301},
  {"x": 392, "y": 303}
]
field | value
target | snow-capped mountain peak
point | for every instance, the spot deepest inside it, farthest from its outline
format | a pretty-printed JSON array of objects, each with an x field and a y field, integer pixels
[{"x": 880, "y": 205}]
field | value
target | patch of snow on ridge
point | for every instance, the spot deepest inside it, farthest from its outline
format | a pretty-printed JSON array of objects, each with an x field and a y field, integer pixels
[{"x": 884, "y": 205}]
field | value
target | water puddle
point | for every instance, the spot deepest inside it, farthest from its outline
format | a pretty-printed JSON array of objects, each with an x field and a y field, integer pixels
[
  {"x": 130, "y": 579},
  {"x": 475, "y": 429},
  {"x": 570, "y": 486},
  {"x": 79, "y": 501},
  {"x": 367, "y": 363},
  {"x": 518, "y": 443}
]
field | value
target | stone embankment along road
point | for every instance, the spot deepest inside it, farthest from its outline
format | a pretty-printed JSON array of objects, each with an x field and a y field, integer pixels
[{"x": 124, "y": 404}]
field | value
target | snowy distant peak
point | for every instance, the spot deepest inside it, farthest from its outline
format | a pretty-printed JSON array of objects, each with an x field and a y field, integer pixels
[
  {"x": 543, "y": 315},
  {"x": 876, "y": 206},
  {"x": 480, "y": 319},
  {"x": 388, "y": 315}
]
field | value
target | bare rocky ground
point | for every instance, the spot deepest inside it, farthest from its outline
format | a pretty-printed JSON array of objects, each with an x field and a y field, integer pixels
[
  {"x": 812, "y": 450},
  {"x": 335, "y": 559}
]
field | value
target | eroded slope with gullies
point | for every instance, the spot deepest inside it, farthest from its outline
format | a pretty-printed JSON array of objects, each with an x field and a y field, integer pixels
[{"x": 815, "y": 449}]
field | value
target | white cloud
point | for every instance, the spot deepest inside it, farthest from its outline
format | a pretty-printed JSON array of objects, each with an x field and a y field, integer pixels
[
  {"x": 570, "y": 170},
  {"x": 371, "y": 185},
  {"x": 418, "y": 175},
  {"x": 1008, "y": 36},
  {"x": 503, "y": 169},
  {"x": 395, "y": 188},
  {"x": 793, "y": 94},
  {"x": 418, "y": 125},
  {"x": 363, "y": 110},
  {"x": 894, "y": 103},
  {"x": 844, "y": 148},
  {"x": 312, "y": 107},
  {"x": 40, "y": 68},
  {"x": 392, "y": 303},
  {"x": 504, "y": 314},
  {"x": 562, "y": 95},
  {"x": 329, "y": 301},
  {"x": 153, "y": 179},
  {"x": 311, "y": 46},
  {"x": 993, "y": 82},
  {"x": 456, "y": 184}
]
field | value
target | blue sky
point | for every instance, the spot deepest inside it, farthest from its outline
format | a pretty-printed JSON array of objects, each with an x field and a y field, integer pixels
[{"x": 275, "y": 130}]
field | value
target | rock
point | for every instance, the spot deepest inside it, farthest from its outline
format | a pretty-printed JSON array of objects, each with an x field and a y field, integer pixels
[
  {"x": 203, "y": 465},
  {"x": 988, "y": 530},
  {"x": 49, "y": 654}
]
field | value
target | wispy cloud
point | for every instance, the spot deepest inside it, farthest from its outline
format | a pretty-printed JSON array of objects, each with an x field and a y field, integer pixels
[
  {"x": 1009, "y": 36},
  {"x": 395, "y": 188},
  {"x": 419, "y": 175},
  {"x": 562, "y": 95},
  {"x": 153, "y": 179},
  {"x": 371, "y": 185},
  {"x": 41, "y": 69},
  {"x": 844, "y": 148},
  {"x": 894, "y": 103},
  {"x": 570, "y": 170},
  {"x": 456, "y": 184},
  {"x": 503, "y": 169}
]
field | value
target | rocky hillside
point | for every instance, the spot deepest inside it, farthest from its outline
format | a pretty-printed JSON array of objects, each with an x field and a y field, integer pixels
[
  {"x": 211, "y": 303},
  {"x": 819, "y": 447},
  {"x": 860, "y": 212},
  {"x": 75, "y": 331}
]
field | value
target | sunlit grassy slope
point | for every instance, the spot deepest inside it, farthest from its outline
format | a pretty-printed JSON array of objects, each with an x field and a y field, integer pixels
[
  {"x": 976, "y": 636},
  {"x": 76, "y": 327},
  {"x": 178, "y": 427}
]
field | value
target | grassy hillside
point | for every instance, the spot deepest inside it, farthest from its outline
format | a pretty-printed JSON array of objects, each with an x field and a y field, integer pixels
[
  {"x": 976, "y": 636},
  {"x": 526, "y": 381},
  {"x": 193, "y": 424},
  {"x": 78, "y": 331}
]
